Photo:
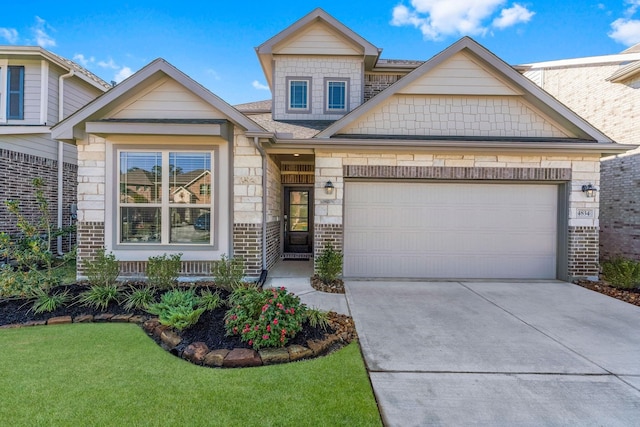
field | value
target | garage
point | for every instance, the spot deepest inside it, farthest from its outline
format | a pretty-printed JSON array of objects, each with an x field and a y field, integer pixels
[{"x": 452, "y": 230}]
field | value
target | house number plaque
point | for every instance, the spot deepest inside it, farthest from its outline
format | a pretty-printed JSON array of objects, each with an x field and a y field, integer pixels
[{"x": 585, "y": 213}]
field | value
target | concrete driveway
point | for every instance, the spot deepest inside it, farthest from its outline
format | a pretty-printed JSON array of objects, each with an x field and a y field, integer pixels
[{"x": 495, "y": 353}]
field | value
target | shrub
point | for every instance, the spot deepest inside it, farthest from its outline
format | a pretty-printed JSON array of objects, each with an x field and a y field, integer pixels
[
  {"x": 104, "y": 270},
  {"x": 329, "y": 264},
  {"x": 622, "y": 273},
  {"x": 210, "y": 300},
  {"x": 264, "y": 318},
  {"x": 163, "y": 270},
  {"x": 100, "y": 296},
  {"x": 139, "y": 298},
  {"x": 46, "y": 303},
  {"x": 317, "y": 318},
  {"x": 177, "y": 308},
  {"x": 228, "y": 273}
]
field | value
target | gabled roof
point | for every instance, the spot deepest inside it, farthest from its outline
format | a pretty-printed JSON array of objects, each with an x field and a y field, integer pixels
[
  {"x": 265, "y": 50},
  {"x": 533, "y": 94},
  {"x": 151, "y": 73},
  {"x": 625, "y": 72},
  {"x": 37, "y": 51}
]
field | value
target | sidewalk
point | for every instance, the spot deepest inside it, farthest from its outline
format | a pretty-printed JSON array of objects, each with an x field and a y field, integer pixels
[{"x": 296, "y": 277}]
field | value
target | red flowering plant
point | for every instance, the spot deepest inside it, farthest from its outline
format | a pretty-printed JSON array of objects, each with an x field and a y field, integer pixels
[{"x": 264, "y": 318}]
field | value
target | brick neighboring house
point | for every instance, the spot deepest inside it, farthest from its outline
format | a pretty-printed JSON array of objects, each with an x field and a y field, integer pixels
[
  {"x": 454, "y": 167},
  {"x": 37, "y": 90},
  {"x": 605, "y": 90}
]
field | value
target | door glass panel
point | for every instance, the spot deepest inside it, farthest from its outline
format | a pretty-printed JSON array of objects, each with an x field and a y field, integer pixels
[{"x": 299, "y": 211}]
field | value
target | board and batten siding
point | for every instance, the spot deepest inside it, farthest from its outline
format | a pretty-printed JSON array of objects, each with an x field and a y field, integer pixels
[
  {"x": 40, "y": 145},
  {"x": 460, "y": 75},
  {"x": 318, "y": 39},
  {"x": 168, "y": 100}
]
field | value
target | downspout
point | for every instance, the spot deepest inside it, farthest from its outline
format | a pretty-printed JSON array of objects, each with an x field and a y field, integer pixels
[
  {"x": 61, "y": 155},
  {"x": 256, "y": 141}
]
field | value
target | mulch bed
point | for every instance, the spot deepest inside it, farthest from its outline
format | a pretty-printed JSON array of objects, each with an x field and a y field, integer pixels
[
  {"x": 208, "y": 332},
  {"x": 631, "y": 296},
  {"x": 335, "y": 287}
]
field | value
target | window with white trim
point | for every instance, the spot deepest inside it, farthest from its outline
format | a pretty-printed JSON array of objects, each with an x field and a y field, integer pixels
[
  {"x": 160, "y": 199},
  {"x": 15, "y": 92},
  {"x": 336, "y": 95},
  {"x": 298, "y": 94}
]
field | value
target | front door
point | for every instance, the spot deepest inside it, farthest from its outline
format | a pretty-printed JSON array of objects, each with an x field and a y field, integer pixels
[{"x": 297, "y": 219}]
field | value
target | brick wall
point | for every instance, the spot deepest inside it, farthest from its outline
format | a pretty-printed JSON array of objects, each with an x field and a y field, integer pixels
[
  {"x": 376, "y": 83},
  {"x": 326, "y": 233},
  {"x": 90, "y": 240},
  {"x": 620, "y": 207},
  {"x": 137, "y": 269},
  {"x": 17, "y": 171},
  {"x": 247, "y": 243},
  {"x": 273, "y": 243},
  {"x": 583, "y": 252}
]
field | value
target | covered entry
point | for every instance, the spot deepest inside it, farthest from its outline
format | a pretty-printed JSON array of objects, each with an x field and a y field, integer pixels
[{"x": 400, "y": 229}]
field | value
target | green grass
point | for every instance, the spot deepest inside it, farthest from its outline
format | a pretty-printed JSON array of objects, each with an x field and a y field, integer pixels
[{"x": 113, "y": 374}]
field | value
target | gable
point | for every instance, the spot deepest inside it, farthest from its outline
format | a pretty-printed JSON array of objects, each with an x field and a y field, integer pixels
[
  {"x": 167, "y": 99},
  {"x": 317, "y": 39},
  {"x": 466, "y": 116},
  {"x": 460, "y": 75}
]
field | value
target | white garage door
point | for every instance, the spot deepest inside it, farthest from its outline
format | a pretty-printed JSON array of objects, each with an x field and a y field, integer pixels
[{"x": 450, "y": 230}]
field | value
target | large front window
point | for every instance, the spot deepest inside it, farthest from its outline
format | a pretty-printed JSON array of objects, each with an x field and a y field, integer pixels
[{"x": 161, "y": 199}]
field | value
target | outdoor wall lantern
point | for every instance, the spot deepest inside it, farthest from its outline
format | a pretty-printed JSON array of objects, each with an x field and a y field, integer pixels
[
  {"x": 589, "y": 190},
  {"x": 328, "y": 187}
]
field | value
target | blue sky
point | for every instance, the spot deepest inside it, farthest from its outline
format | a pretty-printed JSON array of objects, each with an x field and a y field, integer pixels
[{"x": 213, "y": 42}]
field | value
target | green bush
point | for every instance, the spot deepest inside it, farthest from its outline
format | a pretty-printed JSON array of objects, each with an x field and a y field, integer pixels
[
  {"x": 46, "y": 303},
  {"x": 100, "y": 296},
  {"x": 210, "y": 300},
  {"x": 264, "y": 318},
  {"x": 163, "y": 270},
  {"x": 317, "y": 318},
  {"x": 177, "y": 308},
  {"x": 228, "y": 273},
  {"x": 104, "y": 270},
  {"x": 139, "y": 298},
  {"x": 622, "y": 273},
  {"x": 329, "y": 264}
]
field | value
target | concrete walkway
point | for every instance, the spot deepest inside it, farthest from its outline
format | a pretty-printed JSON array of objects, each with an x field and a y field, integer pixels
[{"x": 499, "y": 354}]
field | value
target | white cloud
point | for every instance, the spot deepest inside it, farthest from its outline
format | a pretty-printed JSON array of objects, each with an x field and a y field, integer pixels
[
  {"x": 437, "y": 19},
  {"x": 40, "y": 32},
  {"x": 257, "y": 85},
  {"x": 108, "y": 64},
  {"x": 213, "y": 73},
  {"x": 9, "y": 34},
  {"x": 82, "y": 60},
  {"x": 627, "y": 30},
  {"x": 512, "y": 16},
  {"x": 122, "y": 74}
]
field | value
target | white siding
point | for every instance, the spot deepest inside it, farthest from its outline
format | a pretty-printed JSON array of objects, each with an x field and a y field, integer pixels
[
  {"x": 459, "y": 75},
  {"x": 318, "y": 39},
  {"x": 40, "y": 145},
  {"x": 168, "y": 100},
  {"x": 31, "y": 92},
  {"x": 77, "y": 94},
  {"x": 52, "y": 113}
]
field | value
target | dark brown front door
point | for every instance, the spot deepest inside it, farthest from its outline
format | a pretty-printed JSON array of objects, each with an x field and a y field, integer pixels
[{"x": 297, "y": 219}]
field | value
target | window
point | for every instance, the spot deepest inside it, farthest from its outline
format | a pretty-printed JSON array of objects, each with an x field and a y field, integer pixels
[
  {"x": 298, "y": 94},
  {"x": 15, "y": 92},
  {"x": 161, "y": 200},
  {"x": 336, "y": 95}
]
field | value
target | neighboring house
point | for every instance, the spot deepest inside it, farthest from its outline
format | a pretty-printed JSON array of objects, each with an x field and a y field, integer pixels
[
  {"x": 605, "y": 90},
  {"x": 37, "y": 90},
  {"x": 458, "y": 167}
]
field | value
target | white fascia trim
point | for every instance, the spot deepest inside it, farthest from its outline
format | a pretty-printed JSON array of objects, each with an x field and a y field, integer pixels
[
  {"x": 4, "y": 63},
  {"x": 24, "y": 130},
  {"x": 591, "y": 60},
  {"x": 44, "y": 91}
]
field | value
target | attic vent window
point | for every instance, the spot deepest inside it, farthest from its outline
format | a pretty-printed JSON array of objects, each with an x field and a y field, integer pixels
[{"x": 299, "y": 94}]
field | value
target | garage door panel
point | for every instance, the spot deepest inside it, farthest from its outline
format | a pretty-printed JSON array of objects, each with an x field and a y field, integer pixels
[{"x": 450, "y": 230}]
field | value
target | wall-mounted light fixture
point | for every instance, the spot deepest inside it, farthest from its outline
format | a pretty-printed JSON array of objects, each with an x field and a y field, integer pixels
[
  {"x": 328, "y": 187},
  {"x": 589, "y": 190}
]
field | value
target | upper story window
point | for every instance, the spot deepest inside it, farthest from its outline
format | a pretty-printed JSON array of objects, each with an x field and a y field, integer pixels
[
  {"x": 336, "y": 95},
  {"x": 299, "y": 95},
  {"x": 160, "y": 199},
  {"x": 15, "y": 93}
]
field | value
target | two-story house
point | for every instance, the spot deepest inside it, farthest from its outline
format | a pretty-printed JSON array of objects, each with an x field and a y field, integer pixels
[
  {"x": 37, "y": 90},
  {"x": 453, "y": 167},
  {"x": 605, "y": 90}
]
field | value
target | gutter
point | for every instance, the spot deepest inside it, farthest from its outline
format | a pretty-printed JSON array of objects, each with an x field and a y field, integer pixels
[
  {"x": 61, "y": 155},
  {"x": 263, "y": 154}
]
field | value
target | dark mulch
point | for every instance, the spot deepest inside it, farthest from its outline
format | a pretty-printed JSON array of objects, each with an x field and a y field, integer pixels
[{"x": 209, "y": 329}]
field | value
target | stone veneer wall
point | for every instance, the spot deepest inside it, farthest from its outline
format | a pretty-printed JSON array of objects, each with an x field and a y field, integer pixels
[
  {"x": 575, "y": 170},
  {"x": 376, "y": 83},
  {"x": 620, "y": 207},
  {"x": 247, "y": 243},
  {"x": 17, "y": 171}
]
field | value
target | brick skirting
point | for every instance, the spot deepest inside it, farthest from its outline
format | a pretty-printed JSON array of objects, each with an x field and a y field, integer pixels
[
  {"x": 247, "y": 243},
  {"x": 273, "y": 243},
  {"x": 327, "y": 233},
  {"x": 90, "y": 241},
  {"x": 583, "y": 252}
]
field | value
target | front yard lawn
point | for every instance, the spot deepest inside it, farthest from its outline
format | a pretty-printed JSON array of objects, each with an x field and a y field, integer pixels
[{"x": 113, "y": 374}]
